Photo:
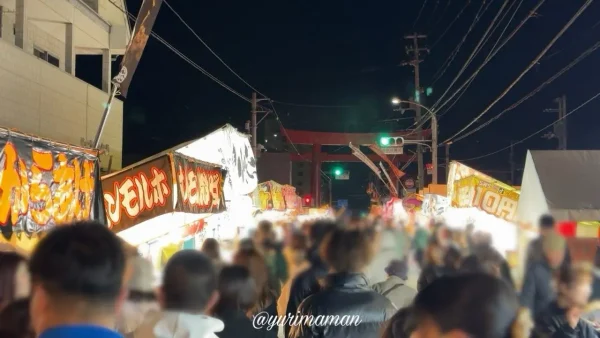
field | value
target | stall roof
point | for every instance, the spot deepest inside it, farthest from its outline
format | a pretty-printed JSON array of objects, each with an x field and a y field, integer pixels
[{"x": 564, "y": 183}]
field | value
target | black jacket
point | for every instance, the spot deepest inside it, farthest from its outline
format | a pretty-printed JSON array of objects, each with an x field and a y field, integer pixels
[
  {"x": 552, "y": 323},
  {"x": 238, "y": 325},
  {"x": 344, "y": 299},
  {"x": 537, "y": 292},
  {"x": 305, "y": 284},
  {"x": 429, "y": 274}
]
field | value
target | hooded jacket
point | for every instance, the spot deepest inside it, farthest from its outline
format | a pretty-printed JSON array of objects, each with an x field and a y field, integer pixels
[{"x": 179, "y": 325}]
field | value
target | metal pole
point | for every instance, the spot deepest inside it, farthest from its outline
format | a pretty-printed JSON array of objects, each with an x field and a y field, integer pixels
[
  {"x": 564, "y": 121},
  {"x": 330, "y": 193},
  {"x": 434, "y": 146},
  {"x": 417, "y": 61},
  {"x": 105, "y": 116},
  {"x": 254, "y": 140},
  {"x": 447, "y": 161},
  {"x": 512, "y": 163}
]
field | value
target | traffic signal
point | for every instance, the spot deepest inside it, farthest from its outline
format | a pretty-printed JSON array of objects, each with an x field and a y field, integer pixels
[
  {"x": 428, "y": 91},
  {"x": 384, "y": 141},
  {"x": 307, "y": 201},
  {"x": 337, "y": 171}
]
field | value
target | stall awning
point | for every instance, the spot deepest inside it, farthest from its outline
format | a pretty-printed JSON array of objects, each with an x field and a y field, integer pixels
[{"x": 563, "y": 183}]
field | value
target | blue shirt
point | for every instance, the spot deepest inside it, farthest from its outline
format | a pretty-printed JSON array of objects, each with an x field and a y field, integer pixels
[{"x": 79, "y": 331}]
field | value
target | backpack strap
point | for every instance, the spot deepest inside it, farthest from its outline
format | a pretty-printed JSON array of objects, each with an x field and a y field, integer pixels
[{"x": 391, "y": 289}]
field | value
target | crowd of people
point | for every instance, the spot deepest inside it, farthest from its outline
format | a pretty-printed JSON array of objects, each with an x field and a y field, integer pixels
[{"x": 83, "y": 281}]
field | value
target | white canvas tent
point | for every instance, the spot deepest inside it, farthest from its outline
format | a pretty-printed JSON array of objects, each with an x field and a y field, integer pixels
[{"x": 564, "y": 183}]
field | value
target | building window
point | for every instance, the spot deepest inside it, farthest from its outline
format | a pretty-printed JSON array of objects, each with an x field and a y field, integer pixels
[
  {"x": 300, "y": 173},
  {"x": 42, "y": 54}
]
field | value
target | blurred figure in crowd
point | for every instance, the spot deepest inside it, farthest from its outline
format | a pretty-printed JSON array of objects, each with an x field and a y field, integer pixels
[
  {"x": 537, "y": 291},
  {"x": 562, "y": 318},
  {"x": 469, "y": 231},
  {"x": 246, "y": 244},
  {"x": 400, "y": 325},
  {"x": 14, "y": 278},
  {"x": 211, "y": 248},
  {"x": 488, "y": 260},
  {"x": 77, "y": 275},
  {"x": 391, "y": 244},
  {"x": 452, "y": 259},
  {"x": 237, "y": 297},
  {"x": 188, "y": 293},
  {"x": 394, "y": 287},
  {"x": 434, "y": 264},
  {"x": 535, "y": 253},
  {"x": 141, "y": 299},
  {"x": 306, "y": 283},
  {"x": 472, "y": 305},
  {"x": 345, "y": 291},
  {"x": 420, "y": 242},
  {"x": 265, "y": 287},
  {"x": 295, "y": 253},
  {"x": 15, "y": 320},
  {"x": 266, "y": 242}
]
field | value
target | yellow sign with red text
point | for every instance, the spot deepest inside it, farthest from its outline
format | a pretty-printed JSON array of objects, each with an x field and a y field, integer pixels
[{"x": 474, "y": 191}]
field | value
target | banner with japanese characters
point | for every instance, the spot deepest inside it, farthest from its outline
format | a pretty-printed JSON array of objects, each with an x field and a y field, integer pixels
[
  {"x": 199, "y": 186},
  {"x": 139, "y": 193},
  {"x": 44, "y": 184}
]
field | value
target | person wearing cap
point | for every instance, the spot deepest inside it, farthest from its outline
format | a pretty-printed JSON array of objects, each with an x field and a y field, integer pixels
[
  {"x": 141, "y": 299},
  {"x": 537, "y": 292},
  {"x": 394, "y": 287}
]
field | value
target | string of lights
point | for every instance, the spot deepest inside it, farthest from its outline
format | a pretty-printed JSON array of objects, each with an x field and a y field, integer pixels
[{"x": 534, "y": 133}]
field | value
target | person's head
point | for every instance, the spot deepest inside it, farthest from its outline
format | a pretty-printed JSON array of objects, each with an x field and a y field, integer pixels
[
  {"x": 434, "y": 254},
  {"x": 237, "y": 290},
  {"x": 141, "y": 283},
  {"x": 189, "y": 283},
  {"x": 298, "y": 241},
  {"x": 264, "y": 233},
  {"x": 398, "y": 268},
  {"x": 452, "y": 258},
  {"x": 319, "y": 230},
  {"x": 259, "y": 271},
  {"x": 574, "y": 284},
  {"x": 210, "y": 247},
  {"x": 347, "y": 250},
  {"x": 486, "y": 260},
  {"x": 473, "y": 305},
  {"x": 400, "y": 325},
  {"x": 246, "y": 244},
  {"x": 554, "y": 245},
  {"x": 15, "y": 319},
  {"x": 77, "y": 274},
  {"x": 546, "y": 224},
  {"x": 14, "y": 278}
]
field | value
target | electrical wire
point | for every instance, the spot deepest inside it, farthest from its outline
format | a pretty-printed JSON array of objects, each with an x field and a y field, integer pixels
[
  {"x": 585, "y": 54},
  {"x": 450, "y": 25},
  {"x": 210, "y": 49},
  {"x": 440, "y": 72},
  {"x": 312, "y": 105},
  {"x": 474, "y": 53},
  {"x": 435, "y": 7},
  {"x": 535, "y": 133},
  {"x": 471, "y": 79},
  {"x": 531, "y": 65},
  {"x": 419, "y": 15},
  {"x": 437, "y": 22},
  {"x": 490, "y": 56}
]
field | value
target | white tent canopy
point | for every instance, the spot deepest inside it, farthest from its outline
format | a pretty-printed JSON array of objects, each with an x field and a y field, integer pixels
[{"x": 564, "y": 183}]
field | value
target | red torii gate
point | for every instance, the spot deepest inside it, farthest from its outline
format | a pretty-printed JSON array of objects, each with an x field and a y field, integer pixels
[{"x": 318, "y": 139}]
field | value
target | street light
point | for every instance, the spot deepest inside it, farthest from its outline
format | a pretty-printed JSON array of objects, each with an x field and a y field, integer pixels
[{"x": 434, "y": 134}]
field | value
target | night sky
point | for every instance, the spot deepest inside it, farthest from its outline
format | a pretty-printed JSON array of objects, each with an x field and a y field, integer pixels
[{"x": 348, "y": 53}]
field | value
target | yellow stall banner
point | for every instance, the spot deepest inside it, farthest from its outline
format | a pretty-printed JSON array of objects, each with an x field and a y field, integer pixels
[{"x": 486, "y": 195}]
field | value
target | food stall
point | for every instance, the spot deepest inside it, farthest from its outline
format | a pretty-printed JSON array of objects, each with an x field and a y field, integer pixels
[
  {"x": 44, "y": 184},
  {"x": 162, "y": 202}
]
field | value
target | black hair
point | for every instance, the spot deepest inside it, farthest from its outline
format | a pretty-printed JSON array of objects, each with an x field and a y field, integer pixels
[
  {"x": 400, "y": 325},
  {"x": 319, "y": 230},
  {"x": 237, "y": 290},
  {"x": 546, "y": 222},
  {"x": 452, "y": 258},
  {"x": 480, "y": 305},
  {"x": 210, "y": 247},
  {"x": 189, "y": 281},
  {"x": 15, "y": 320},
  {"x": 83, "y": 259}
]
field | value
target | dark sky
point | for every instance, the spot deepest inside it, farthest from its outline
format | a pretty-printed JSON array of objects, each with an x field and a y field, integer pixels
[{"x": 349, "y": 53}]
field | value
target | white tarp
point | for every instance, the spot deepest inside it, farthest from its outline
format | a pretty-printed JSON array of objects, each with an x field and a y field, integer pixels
[
  {"x": 232, "y": 150},
  {"x": 564, "y": 183}
]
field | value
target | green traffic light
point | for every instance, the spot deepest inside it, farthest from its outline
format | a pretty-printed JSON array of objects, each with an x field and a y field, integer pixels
[
  {"x": 337, "y": 172},
  {"x": 429, "y": 91},
  {"x": 385, "y": 141}
]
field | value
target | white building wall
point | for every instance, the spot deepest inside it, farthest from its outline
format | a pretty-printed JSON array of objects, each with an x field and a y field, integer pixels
[{"x": 39, "y": 98}]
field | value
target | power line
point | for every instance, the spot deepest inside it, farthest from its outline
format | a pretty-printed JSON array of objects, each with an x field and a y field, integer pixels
[
  {"x": 440, "y": 72},
  {"x": 585, "y": 54},
  {"x": 210, "y": 49},
  {"x": 531, "y": 65},
  {"x": 535, "y": 133},
  {"x": 490, "y": 56},
  {"x": 419, "y": 15},
  {"x": 450, "y": 25},
  {"x": 442, "y": 16},
  {"x": 312, "y": 105},
  {"x": 474, "y": 53}
]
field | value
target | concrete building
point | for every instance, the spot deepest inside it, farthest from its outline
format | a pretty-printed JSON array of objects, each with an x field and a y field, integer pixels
[{"x": 39, "y": 92}]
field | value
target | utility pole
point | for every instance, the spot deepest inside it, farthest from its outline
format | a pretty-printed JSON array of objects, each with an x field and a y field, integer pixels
[
  {"x": 254, "y": 104},
  {"x": 415, "y": 52},
  {"x": 560, "y": 126},
  {"x": 448, "y": 160},
  {"x": 512, "y": 162}
]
